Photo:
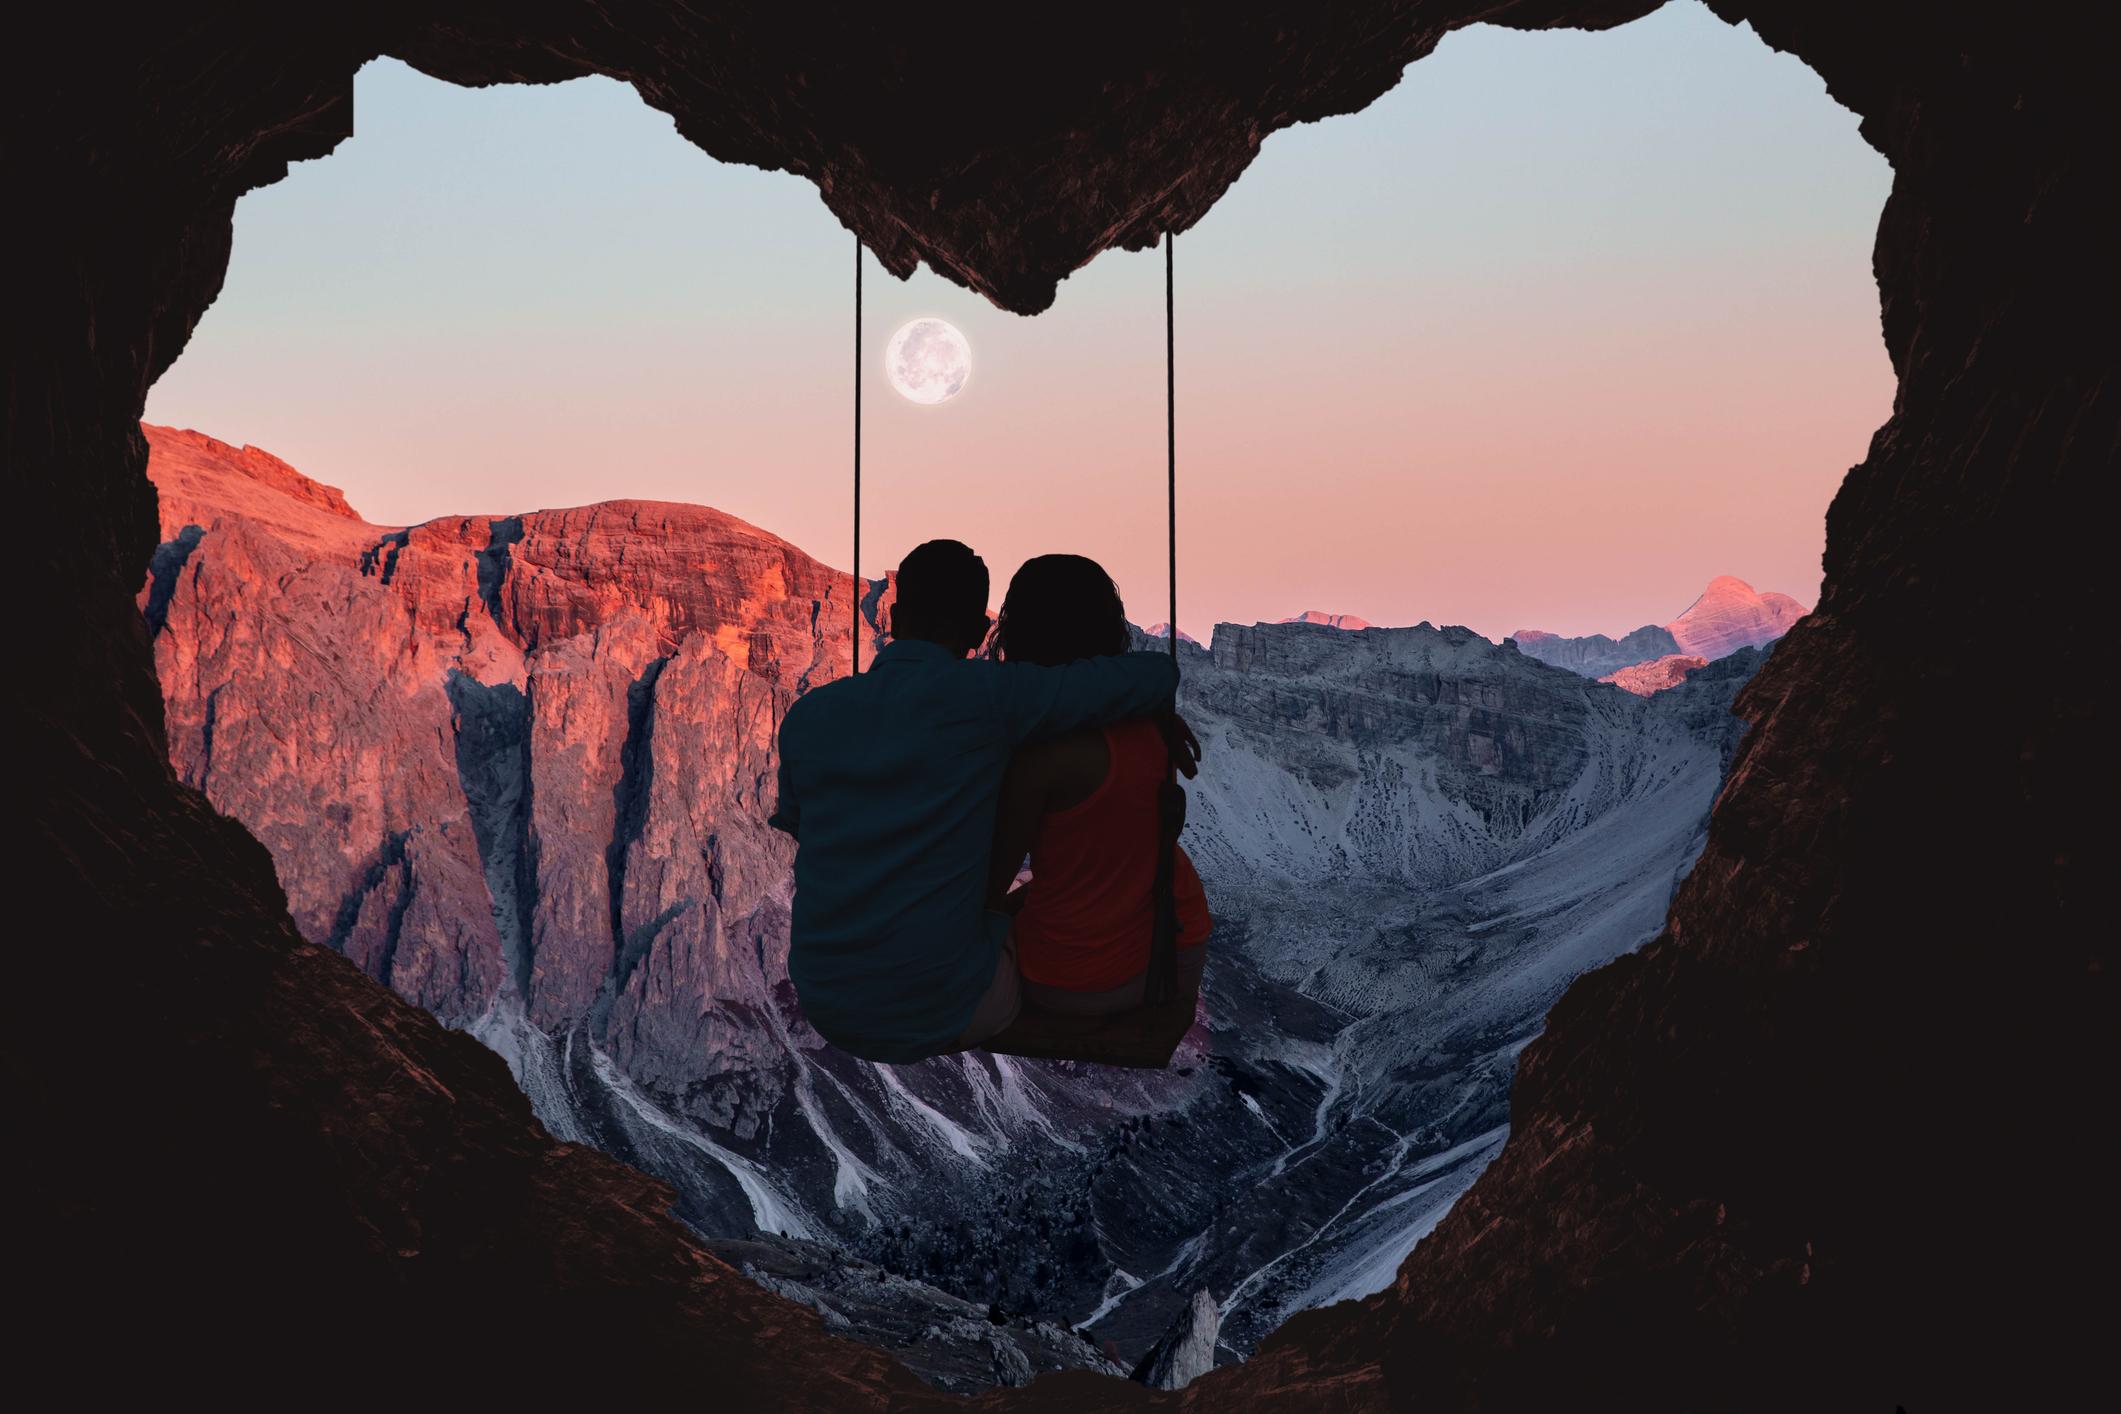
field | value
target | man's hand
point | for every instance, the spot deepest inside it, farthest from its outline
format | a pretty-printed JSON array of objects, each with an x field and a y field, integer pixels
[{"x": 1181, "y": 743}]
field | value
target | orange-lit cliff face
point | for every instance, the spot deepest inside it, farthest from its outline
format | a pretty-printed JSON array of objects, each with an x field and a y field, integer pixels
[
  {"x": 1656, "y": 675},
  {"x": 500, "y": 665},
  {"x": 536, "y": 576},
  {"x": 1320, "y": 616}
]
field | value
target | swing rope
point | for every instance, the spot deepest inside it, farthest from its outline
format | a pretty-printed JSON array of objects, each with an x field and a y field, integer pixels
[
  {"x": 1171, "y": 445},
  {"x": 1160, "y": 981},
  {"x": 855, "y": 619}
]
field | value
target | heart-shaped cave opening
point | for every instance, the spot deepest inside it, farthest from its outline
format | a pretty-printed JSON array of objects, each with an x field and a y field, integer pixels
[{"x": 1560, "y": 330}]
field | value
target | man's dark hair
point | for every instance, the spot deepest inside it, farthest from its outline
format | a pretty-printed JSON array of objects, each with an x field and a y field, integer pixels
[
  {"x": 1060, "y": 608},
  {"x": 942, "y": 595}
]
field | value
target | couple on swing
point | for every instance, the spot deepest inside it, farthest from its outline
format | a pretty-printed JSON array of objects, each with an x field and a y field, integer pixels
[{"x": 915, "y": 789}]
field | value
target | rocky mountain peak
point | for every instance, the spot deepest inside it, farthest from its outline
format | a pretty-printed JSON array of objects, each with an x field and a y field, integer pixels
[
  {"x": 467, "y": 701},
  {"x": 181, "y": 449},
  {"x": 1730, "y": 614},
  {"x": 1187, "y": 1349},
  {"x": 1162, "y": 630},
  {"x": 1320, "y": 616},
  {"x": 201, "y": 480},
  {"x": 1644, "y": 679},
  {"x": 1725, "y": 617}
]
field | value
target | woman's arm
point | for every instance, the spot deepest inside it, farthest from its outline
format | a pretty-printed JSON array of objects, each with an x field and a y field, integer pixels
[{"x": 1024, "y": 791}]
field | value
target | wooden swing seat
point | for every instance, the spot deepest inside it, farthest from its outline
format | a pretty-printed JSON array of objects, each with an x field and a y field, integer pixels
[{"x": 1142, "y": 1039}]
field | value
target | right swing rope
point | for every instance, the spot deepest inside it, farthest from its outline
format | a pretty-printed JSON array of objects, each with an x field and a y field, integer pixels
[
  {"x": 854, "y": 625},
  {"x": 1171, "y": 444},
  {"x": 1160, "y": 986}
]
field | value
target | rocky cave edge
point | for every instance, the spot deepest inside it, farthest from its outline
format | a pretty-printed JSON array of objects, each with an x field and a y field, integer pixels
[{"x": 1832, "y": 1137}]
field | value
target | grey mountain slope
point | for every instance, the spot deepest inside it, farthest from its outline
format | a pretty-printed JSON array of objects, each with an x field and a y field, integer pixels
[{"x": 1594, "y": 655}]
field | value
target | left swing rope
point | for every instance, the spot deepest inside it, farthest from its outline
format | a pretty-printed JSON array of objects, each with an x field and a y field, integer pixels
[{"x": 855, "y": 570}]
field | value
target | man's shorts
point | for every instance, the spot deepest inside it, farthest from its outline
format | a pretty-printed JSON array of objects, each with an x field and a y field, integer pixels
[{"x": 1004, "y": 998}]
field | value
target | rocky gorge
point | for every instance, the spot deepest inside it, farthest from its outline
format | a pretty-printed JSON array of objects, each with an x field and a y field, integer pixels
[{"x": 517, "y": 768}]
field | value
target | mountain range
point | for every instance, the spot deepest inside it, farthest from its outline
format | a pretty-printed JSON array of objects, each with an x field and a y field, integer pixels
[
  {"x": 517, "y": 768},
  {"x": 1727, "y": 616}
]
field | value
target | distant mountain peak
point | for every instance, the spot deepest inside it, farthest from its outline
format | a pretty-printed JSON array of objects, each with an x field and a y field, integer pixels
[
  {"x": 1656, "y": 675},
  {"x": 1320, "y": 616},
  {"x": 1726, "y": 616},
  {"x": 1164, "y": 631},
  {"x": 1729, "y": 615}
]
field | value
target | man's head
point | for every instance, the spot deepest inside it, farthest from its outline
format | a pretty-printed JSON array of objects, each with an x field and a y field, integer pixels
[{"x": 942, "y": 596}]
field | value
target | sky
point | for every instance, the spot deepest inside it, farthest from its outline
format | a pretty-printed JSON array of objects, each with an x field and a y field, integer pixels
[{"x": 1556, "y": 331}]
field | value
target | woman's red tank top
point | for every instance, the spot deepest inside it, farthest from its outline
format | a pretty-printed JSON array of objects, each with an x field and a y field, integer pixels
[{"x": 1087, "y": 917}]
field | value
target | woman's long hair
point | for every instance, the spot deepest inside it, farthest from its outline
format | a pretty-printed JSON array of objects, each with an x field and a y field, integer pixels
[{"x": 1060, "y": 608}]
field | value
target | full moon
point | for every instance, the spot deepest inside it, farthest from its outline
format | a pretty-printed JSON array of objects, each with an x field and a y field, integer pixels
[{"x": 928, "y": 361}]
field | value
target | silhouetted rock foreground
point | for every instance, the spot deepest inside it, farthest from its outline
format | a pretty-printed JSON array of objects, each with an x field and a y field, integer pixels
[{"x": 1833, "y": 1140}]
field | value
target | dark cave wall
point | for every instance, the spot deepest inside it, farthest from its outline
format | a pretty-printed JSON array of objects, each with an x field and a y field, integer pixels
[
  {"x": 1829, "y": 1140},
  {"x": 1833, "y": 1137}
]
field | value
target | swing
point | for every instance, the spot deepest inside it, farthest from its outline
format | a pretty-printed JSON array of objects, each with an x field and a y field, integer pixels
[{"x": 1146, "y": 1037}]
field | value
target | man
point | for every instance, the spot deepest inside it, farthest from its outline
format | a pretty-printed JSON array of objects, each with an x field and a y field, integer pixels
[{"x": 889, "y": 782}]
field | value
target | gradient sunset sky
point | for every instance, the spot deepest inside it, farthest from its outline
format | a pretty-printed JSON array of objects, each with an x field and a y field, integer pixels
[{"x": 1559, "y": 329}]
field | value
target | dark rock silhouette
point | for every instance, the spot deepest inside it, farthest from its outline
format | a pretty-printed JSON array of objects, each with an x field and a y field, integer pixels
[{"x": 1833, "y": 1139}]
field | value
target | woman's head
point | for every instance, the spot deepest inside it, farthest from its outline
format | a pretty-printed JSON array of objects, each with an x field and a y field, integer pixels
[{"x": 1060, "y": 608}]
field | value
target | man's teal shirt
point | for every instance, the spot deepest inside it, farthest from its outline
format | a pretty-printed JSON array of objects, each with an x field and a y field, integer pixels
[{"x": 889, "y": 781}]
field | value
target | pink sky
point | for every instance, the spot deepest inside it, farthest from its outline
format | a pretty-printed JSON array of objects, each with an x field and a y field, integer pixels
[{"x": 1558, "y": 330}]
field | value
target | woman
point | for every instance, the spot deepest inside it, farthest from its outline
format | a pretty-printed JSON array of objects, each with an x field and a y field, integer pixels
[{"x": 1084, "y": 808}]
